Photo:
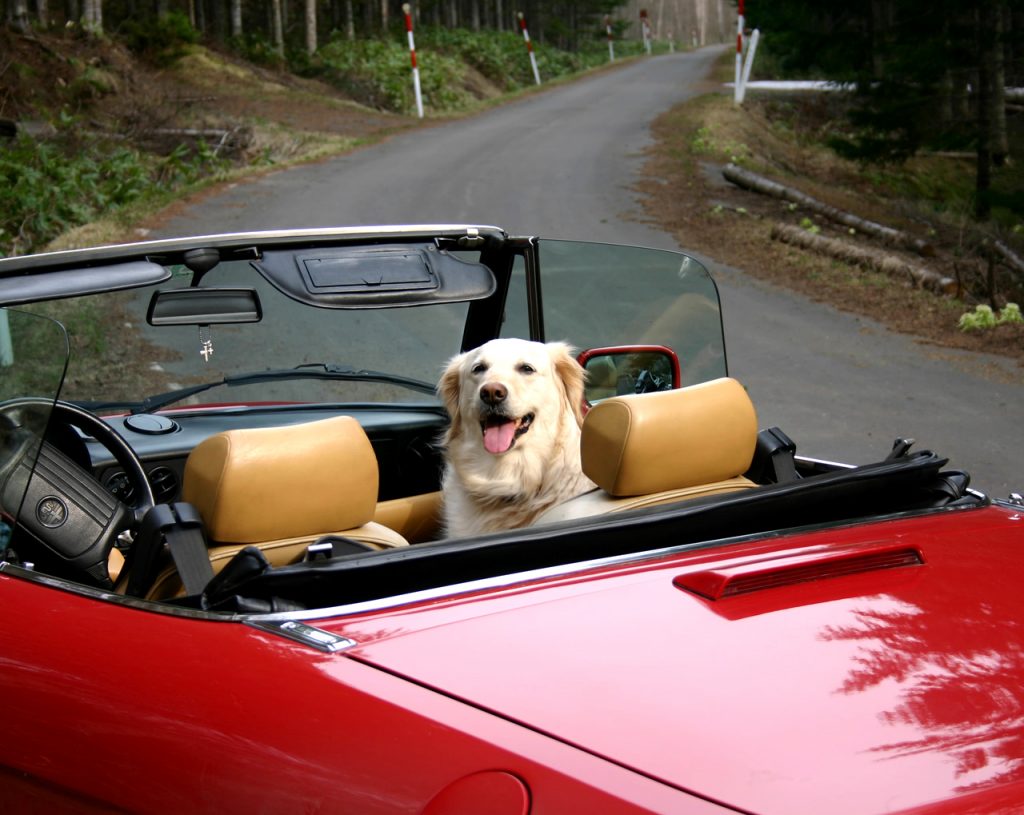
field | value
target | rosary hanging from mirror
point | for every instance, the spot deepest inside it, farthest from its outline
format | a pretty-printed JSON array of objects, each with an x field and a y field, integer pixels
[{"x": 205, "y": 342}]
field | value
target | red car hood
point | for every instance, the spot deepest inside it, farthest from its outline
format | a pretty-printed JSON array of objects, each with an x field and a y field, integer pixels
[{"x": 877, "y": 668}]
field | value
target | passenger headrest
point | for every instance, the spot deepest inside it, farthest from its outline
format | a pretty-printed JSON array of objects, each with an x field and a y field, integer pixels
[
  {"x": 653, "y": 442},
  {"x": 272, "y": 483}
]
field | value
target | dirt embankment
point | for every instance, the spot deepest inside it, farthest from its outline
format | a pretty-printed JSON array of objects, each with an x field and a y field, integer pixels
[{"x": 112, "y": 90}]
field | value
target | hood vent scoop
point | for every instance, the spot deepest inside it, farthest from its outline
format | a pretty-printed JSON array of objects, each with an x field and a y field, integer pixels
[{"x": 737, "y": 578}]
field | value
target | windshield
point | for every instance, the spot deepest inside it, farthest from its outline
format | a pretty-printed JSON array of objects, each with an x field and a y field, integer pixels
[
  {"x": 119, "y": 360},
  {"x": 602, "y": 294},
  {"x": 591, "y": 295}
]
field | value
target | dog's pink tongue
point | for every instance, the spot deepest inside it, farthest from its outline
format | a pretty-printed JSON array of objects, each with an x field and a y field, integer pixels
[{"x": 498, "y": 437}]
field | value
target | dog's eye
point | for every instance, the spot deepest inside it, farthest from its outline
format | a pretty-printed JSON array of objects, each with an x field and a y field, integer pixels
[
  {"x": 526, "y": 368},
  {"x": 479, "y": 368}
]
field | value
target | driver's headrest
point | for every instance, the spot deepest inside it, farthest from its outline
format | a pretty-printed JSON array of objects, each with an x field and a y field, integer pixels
[
  {"x": 264, "y": 484},
  {"x": 654, "y": 442}
]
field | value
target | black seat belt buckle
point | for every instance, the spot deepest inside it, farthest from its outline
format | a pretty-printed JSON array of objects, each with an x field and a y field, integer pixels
[{"x": 776, "y": 453}]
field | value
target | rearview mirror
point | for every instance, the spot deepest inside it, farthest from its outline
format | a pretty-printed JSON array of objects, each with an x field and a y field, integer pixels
[
  {"x": 207, "y": 306},
  {"x": 626, "y": 369}
]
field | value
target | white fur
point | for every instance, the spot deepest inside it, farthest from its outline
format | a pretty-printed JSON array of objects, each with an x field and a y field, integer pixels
[{"x": 484, "y": 491}]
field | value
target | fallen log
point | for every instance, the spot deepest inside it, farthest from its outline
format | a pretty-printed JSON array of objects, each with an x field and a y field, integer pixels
[
  {"x": 221, "y": 142},
  {"x": 865, "y": 258},
  {"x": 1009, "y": 258},
  {"x": 758, "y": 183}
]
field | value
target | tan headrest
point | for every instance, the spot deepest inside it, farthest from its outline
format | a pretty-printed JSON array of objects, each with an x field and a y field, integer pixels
[
  {"x": 265, "y": 484},
  {"x": 653, "y": 442}
]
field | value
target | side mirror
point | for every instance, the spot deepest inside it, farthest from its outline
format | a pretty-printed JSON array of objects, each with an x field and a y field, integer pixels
[{"x": 625, "y": 369}]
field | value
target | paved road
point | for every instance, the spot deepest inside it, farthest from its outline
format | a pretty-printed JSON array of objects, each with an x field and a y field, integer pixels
[{"x": 561, "y": 164}]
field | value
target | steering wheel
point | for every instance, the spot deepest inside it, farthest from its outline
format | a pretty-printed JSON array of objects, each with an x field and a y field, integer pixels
[{"x": 72, "y": 518}]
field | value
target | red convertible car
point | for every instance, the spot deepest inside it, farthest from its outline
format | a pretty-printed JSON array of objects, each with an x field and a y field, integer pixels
[{"x": 224, "y": 587}]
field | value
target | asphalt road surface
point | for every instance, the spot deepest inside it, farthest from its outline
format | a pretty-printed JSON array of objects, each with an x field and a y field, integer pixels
[{"x": 561, "y": 164}]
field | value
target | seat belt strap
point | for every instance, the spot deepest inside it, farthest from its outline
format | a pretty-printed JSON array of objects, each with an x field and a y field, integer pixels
[
  {"x": 187, "y": 544},
  {"x": 180, "y": 527}
]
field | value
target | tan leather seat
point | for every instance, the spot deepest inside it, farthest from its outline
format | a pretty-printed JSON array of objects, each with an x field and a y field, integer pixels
[
  {"x": 281, "y": 488},
  {"x": 656, "y": 448}
]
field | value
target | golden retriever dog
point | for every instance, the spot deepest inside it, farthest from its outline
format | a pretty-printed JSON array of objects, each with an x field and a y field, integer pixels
[{"x": 513, "y": 447}]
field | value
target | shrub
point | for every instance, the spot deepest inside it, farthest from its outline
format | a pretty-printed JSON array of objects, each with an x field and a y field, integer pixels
[
  {"x": 162, "y": 40},
  {"x": 257, "y": 48},
  {"x": 377, "y": 72},
  {"x": 48, "y": 187},
  {"x": 983, "y": 317},
  {"x": 1010, "y": 314}
]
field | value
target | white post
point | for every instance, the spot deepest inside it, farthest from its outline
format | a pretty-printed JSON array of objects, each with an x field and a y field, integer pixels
[
  {"x": 611, "y": 45},
  {"x": 529, "y": 47},
  {"x": 751, "y": 49},
  {"x": 412, "y": 53},
  {"x": 739, "y": 55},
  {"x": 6, "y": 346}
]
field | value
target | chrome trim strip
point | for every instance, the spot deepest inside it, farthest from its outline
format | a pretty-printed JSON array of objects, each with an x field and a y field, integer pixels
[
  {"x": 236, "y": 239},
  {"x": 455, "y": 590},
  {"x": 835, "y": 465},
  {"x": 304, "y": 634}
]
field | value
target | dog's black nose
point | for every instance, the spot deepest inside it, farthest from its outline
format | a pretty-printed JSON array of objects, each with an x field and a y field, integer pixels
[{"x": 493, "y": 393}]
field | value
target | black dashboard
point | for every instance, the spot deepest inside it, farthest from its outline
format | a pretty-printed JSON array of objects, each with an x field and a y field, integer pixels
[{"x": 405, "y": 440}]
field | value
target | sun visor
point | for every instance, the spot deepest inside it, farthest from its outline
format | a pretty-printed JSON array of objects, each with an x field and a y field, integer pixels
[
  {"x": 376, "y": 276},
  {"x": 53, "y": 285}
]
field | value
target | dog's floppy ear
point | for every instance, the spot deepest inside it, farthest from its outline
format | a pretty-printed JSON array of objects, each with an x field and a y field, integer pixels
[
  {"x": 572, "y": 375},
  {"x": 449, "y": 386}
]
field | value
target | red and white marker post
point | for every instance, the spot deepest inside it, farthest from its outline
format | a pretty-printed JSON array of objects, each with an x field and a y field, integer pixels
[
  {"x": 645, "y": 28},
  {"x": 737, "y": 94},
  {"x": 407, "y": 9},
  {"x": 611, "y": 44},
  {"x": 529, "y": 47}
]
